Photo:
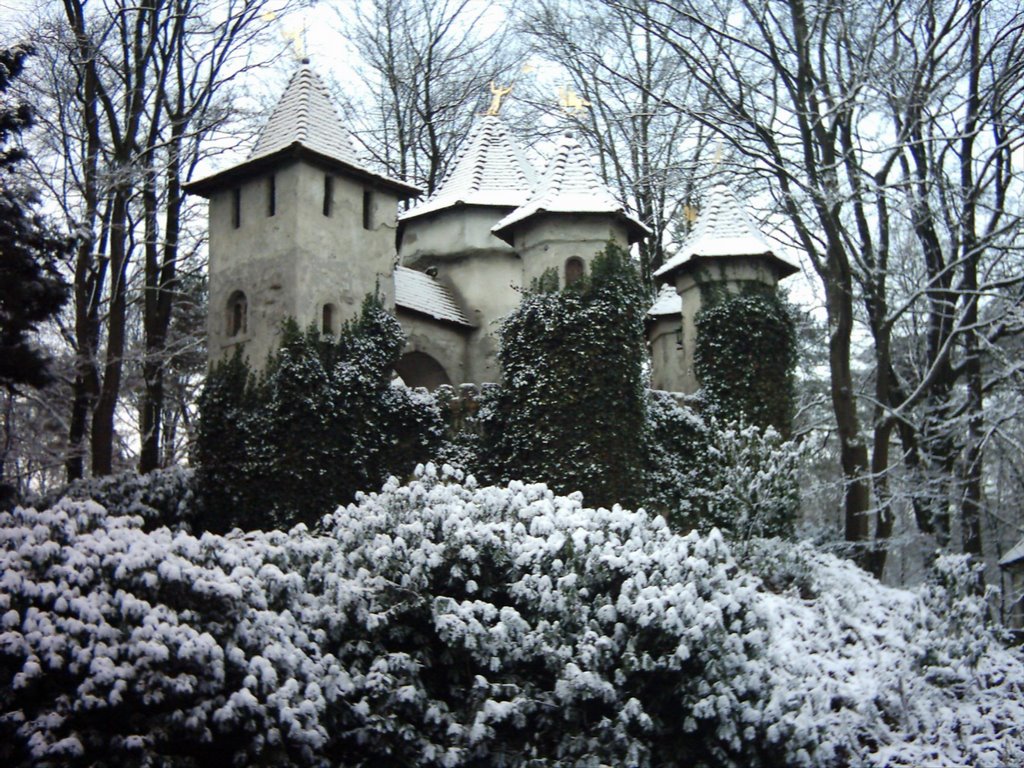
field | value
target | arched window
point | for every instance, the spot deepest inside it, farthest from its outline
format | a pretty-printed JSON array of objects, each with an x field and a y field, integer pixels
[
  {"x": 327, "y": 319},
  {"x": 237, "y": 311},
  {"x": 418, "y": 369},
  {"x": 573, "y": 270}
]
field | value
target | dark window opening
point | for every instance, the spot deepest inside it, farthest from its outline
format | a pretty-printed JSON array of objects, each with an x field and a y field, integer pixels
[
  {"x": 271, "y": 195},
  {"x": 236, "y": 314},
  {"x": 328, "y": 194},
  {"x": 573, "y": 270},
  {"x": 236, "y": 207},
  {"x": 367, "y": 209},
  {"x": 327, "y": 319}
]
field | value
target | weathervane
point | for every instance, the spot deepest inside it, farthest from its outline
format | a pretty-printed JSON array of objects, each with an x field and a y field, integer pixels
[{"x": 571, "y": 101}]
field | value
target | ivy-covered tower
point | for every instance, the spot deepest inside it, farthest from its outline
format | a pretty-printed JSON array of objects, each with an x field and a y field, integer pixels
[
  {"x": 302, "y": 228},
  {"x": 725, "y": 254},
  {"x": 569, "y": 218}
]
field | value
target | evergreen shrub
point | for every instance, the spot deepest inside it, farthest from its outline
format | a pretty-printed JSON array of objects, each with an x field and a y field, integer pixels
[
  {"x": 745, "y": 357},
  {"x": 322, "y": 422},
  {"x": 440, "y": 624},
  {"x": 571, "y": 410},
  {"x": 164, "y": 497},
  {"x": 702, "y": 473}
]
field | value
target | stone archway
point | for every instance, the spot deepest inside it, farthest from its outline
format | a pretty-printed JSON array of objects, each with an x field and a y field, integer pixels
[{"x": 419, "y": 369}]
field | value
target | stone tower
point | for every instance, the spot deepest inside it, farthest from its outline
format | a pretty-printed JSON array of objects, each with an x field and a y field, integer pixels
[
  {"x": 724, "y": 252},
  {"x": 449, "y": 235},
  {"x": 570, "y": 217},
  {"x": 300, "y": 229}
]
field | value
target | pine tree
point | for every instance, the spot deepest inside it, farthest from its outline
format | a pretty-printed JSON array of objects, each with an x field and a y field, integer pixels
[{"x": 31, "y": 289}]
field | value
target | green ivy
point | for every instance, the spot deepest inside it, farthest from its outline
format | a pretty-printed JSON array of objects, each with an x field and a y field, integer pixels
[
  {"x": 571, "y": 411},
  {"x": 745, "y": 357},
  {"x": 320, "y": 424}
]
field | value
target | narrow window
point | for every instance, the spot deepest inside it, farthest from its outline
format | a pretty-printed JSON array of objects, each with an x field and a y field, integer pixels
[
  {"x": 236, "y": 320},
  {"x": 367, "y": 209},
  {"x": 328, "y": 193},
  {"x": 271, "y": 195},
  {"x": 573, "y": 270},
  {"x": 328, "y": 319},
  {"x": 236, "y": 207}
]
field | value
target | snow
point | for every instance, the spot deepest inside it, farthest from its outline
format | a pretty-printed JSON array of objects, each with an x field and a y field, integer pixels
[
  {"x": 569, "y": 185},
  {"x": 723, "y": 229},
  {"x": 440, "y": 623},
  {"x": 420, "y": 292},
  {"x": 491, "y": 169},
  {"x": 1015, "y": 554},
  {"x": 667, "y": 302}
]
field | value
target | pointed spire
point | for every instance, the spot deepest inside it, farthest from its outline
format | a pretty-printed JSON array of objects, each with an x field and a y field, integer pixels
[
  {"x": 723, "y": 229},
  {"x": 570, "y": 185},
  {"x": 490, "y": 169},
  {"x": 305, "y": 125},
  {"x": 305, "y": 115}
]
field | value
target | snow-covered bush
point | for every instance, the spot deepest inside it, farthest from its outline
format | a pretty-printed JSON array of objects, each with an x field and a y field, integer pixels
[
  {"x": 319, "y": 424},
  {"x": 164, "y": 497},
  {"x": 704, "y": 474},
  {"x": 442, "y": 624}
]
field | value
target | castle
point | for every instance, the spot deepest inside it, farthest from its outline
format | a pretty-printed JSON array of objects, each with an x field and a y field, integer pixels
[{"x": 304, "y": 229}]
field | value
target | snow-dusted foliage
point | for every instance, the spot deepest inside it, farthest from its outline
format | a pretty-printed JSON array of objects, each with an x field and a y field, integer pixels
[
  {"x": 443, "y": 624},
  {"x": 164, "y": 497},
  {"x": 703, "y": 473}
]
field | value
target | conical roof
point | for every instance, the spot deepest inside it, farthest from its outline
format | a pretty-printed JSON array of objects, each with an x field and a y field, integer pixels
[
  {"x": 306, "y": 115},
  {"x": 570, "y": 185},
  {"x": 304, "y": 124},
  {"x": 490, "y": 169},
  {"x": 723, "y": 229},
  {"x": 667, "y": 302}
]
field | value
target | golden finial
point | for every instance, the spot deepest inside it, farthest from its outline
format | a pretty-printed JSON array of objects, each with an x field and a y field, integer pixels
[
  {"x": 497, "y": 94},
  {"x": 571, "y": 101}
]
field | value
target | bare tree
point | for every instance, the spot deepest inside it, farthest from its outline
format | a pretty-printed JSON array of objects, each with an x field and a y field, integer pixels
[
  {"x": 866, "y": 120},
  {"x": 133, "y": 91},
  {"x": 428, "y": 64}
]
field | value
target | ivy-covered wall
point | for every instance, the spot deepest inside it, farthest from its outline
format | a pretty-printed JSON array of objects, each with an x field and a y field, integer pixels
[
  {"x": 571, "y": 410},
  {"x": 745, "y": 355}
]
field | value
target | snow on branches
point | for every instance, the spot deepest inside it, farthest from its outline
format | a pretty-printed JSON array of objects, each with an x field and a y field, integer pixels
[{"x": 443, "y": 624}]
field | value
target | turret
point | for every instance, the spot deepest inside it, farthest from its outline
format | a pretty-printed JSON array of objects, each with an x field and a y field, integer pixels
[
  {"x": 301, "y": 228},
  {"x": 570, "y": 217},
  {"x": 449, "y": 235},
  {"x": 724, "y": 252}
]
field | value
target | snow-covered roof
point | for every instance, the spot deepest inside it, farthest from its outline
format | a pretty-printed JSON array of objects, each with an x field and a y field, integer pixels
[
  {"x": 490, "y": 169},
  {"x": 1016, "y": 554},
  {"x": 570, "y": 185},
  {"x": 667, "y": 302},
  {"x": 304, "y": 122},
  {"x": 420, "y": 292},
  {"x": 724, "y": 228}
]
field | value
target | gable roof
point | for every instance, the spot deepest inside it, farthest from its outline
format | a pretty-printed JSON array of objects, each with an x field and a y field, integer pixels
[
  {"x": 490, "y": 169},
  {"x": 570, "y": 185},
  {"x": 419, "y": 292},
  {"x": 667, "y": 302},
  {"x": 724, "y": 228},
  {"x": 304, "y": 124}
]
